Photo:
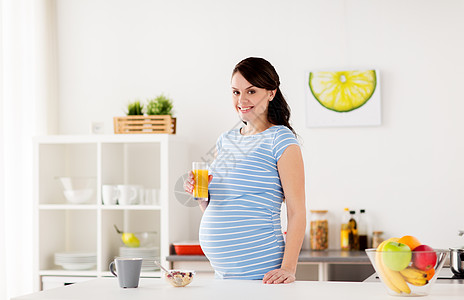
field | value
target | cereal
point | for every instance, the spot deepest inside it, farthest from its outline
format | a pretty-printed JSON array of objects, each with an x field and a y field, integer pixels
[
  {"x": 319, "y": 231},
  {"x": 179, "y": 278}
]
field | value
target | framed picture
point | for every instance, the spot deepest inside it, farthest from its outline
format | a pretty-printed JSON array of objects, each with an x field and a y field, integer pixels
[{"x": 343, "y": 98}]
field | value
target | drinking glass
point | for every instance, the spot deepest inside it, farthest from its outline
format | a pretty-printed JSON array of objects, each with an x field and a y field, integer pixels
[{"x": 200, "y": 173}]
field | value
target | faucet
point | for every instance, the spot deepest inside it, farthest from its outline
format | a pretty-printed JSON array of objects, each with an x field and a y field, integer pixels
[{"x": 460, "y": 232}]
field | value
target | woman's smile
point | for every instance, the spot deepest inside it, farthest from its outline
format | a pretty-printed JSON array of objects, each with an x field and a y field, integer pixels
[{"x": 245, "y": 109}]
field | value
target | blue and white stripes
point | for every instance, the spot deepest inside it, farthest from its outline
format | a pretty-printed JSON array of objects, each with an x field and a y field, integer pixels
[{"x": 240, "y": 230}]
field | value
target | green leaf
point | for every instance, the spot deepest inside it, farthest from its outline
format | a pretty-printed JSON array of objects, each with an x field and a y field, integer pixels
[
  {"x": 160, "y": 105},
  {"x": 134, "y": 108}
]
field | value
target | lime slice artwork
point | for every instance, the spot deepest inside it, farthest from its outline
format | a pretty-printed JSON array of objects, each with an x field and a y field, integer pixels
[{"x": 343, "y": 91}]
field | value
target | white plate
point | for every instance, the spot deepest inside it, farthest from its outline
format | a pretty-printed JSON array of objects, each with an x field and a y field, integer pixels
[
  {"x": 77, "y": 266},
  {"x": 75, "y": 254},
  {"x": 76, "y": 260},
  {"x": 138, "y": 249}
]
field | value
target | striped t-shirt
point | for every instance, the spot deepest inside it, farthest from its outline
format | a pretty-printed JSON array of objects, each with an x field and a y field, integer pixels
[{"x": 240, "y": 230}]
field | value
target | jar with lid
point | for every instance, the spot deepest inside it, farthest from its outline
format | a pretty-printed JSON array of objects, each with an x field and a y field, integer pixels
[
  {"x": 376, "y": 238},
  {"x": 319, "y": 230}
]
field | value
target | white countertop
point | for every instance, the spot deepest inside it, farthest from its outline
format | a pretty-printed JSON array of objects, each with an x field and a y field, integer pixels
[{"x": 107, "y": 288}]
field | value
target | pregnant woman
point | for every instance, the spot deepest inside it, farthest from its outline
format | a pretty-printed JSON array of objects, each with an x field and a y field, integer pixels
[{"x": 257, "y": 167}]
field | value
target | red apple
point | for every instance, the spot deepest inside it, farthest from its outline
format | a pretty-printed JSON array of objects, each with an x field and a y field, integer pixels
[{"x": 424, "y": 257}]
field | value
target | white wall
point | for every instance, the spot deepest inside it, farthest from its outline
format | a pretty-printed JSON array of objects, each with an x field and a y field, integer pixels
[{"x": 406, "y": 173}]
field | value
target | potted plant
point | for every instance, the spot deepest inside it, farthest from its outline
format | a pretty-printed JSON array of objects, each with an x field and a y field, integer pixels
[
  {"x": 134, "y": 109},
  {"x": 160, "y": 105},
  {"x": 159, "y": 110},
  {"x": 157, "y": 119}
]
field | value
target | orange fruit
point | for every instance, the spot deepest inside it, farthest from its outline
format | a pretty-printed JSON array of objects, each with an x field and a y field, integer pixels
[
  {"x": 430, "y": 273},
  {"x": 409, "y": 240}
]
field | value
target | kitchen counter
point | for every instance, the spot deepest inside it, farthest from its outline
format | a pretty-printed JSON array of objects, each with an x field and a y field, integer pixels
[
  {"x": 327, "y": 256},
  {"x": 107, "y": 288},
  {"x": 320, "y": 258}
]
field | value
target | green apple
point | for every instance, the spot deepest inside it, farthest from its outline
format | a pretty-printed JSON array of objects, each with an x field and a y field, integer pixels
[{"x": 396, "y": 256}]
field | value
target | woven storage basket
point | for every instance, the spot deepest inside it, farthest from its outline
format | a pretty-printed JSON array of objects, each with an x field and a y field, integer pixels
[{"x": 145, "y": 124}]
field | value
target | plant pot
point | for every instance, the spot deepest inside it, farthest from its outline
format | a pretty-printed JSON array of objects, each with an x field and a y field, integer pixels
[{"x": 145, "y": 124}]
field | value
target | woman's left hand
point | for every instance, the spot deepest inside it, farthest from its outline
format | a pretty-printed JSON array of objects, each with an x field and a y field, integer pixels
[{"x": 279, "y": 276}]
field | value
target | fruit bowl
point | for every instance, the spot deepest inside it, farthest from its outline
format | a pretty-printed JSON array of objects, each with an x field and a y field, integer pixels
[
  {"x": 179, "y": 278},
  {"x": 407, "y": 273},
  {"x": 78, "y": 190}
]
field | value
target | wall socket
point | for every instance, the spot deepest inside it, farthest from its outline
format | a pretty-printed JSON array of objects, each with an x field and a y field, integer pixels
[{"x": 96, "y": 127}]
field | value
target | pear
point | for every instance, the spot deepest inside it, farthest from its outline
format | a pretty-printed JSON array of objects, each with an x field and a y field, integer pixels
[{"x": 130, "y": 240}]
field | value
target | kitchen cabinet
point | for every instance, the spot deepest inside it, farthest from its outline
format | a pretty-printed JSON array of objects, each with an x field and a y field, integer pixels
[{"x": 155, "y": 161}]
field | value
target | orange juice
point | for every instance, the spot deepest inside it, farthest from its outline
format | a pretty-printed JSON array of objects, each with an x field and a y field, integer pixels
[
  {"x": 201, "y": 184},
  {"x": 200, "y": 172}
]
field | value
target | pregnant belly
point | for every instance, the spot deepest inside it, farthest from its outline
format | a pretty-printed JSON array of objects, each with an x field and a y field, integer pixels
[{"x": 236, "y": 240}]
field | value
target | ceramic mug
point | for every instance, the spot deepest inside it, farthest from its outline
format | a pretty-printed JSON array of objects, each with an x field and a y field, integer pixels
[
  {"x": 109, "y": 194},
  {"x": 128, "y": 195},
  {"x": 127, "y": 271},
  {"x": 140, "y": 194},
  {"x": 151, "y": 197}
]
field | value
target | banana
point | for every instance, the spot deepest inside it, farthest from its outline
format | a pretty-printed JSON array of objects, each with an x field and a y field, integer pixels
[
  {"x": 397, "y": 280},
  {"x": 413, "y": 273},
  {"x": 392, "y": 279},
  {"x": 381, "y": 269},
  {"x": 417, "y": 281},
  {"x": 414, "y": 276}
]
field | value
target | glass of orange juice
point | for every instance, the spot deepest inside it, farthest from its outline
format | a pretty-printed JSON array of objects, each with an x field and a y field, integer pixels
[{"x": 200, "y": 173}]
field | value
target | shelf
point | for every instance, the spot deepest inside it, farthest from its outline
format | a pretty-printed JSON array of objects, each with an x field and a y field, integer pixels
[
  {"x": 94, "y": 207},
  {"x": 61, "y": 272},
  {"x": 131, "y": 207},
  {"x": 155, "y": 162},
  {"x": 107, "y": 138},
  {"x": 68, "y": 206}
]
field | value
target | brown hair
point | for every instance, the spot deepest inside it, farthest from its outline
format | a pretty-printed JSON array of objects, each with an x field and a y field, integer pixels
[{"x": 260, "y": 73}]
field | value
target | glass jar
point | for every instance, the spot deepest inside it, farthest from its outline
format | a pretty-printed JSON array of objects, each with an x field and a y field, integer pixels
[
  {"x": 376, "y": 238},
  {"x": 319, "y": 230}
]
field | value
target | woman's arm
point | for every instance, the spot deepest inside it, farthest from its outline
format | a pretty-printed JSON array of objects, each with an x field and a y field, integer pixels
[{"x": 291, "y": 172}]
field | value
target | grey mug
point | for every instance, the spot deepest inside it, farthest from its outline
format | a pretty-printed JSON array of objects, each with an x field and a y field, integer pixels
[{"x": 127, "y": 271}]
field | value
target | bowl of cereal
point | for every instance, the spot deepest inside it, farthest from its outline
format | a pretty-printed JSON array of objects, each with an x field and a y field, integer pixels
[{"x": 179, "y": 278}]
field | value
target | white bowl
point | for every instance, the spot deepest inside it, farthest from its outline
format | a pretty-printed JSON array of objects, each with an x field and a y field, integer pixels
[
  {"x": 78, "y": 190},
  {"x": 78, "y": 196},
  {"x": 77, "y": 266}
]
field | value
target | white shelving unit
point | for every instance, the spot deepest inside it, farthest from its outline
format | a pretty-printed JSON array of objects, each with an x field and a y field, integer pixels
[{"x": 155, "y": 161}]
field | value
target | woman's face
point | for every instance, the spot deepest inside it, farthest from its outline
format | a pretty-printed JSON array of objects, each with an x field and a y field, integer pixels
[{"x": 250, "y": 102}]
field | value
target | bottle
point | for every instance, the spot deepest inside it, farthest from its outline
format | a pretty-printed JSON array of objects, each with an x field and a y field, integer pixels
[
  {"x": 362, "y": 230},
  {"x": 319, "y": 230},
  {"x": 376, "y": 238},
  {"x": 353, "y": 237},
  {"x": 345, "y": 230}
]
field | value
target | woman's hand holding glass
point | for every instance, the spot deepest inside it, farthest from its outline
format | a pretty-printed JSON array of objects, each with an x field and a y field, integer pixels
[{"x": 189, "y": 183}]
